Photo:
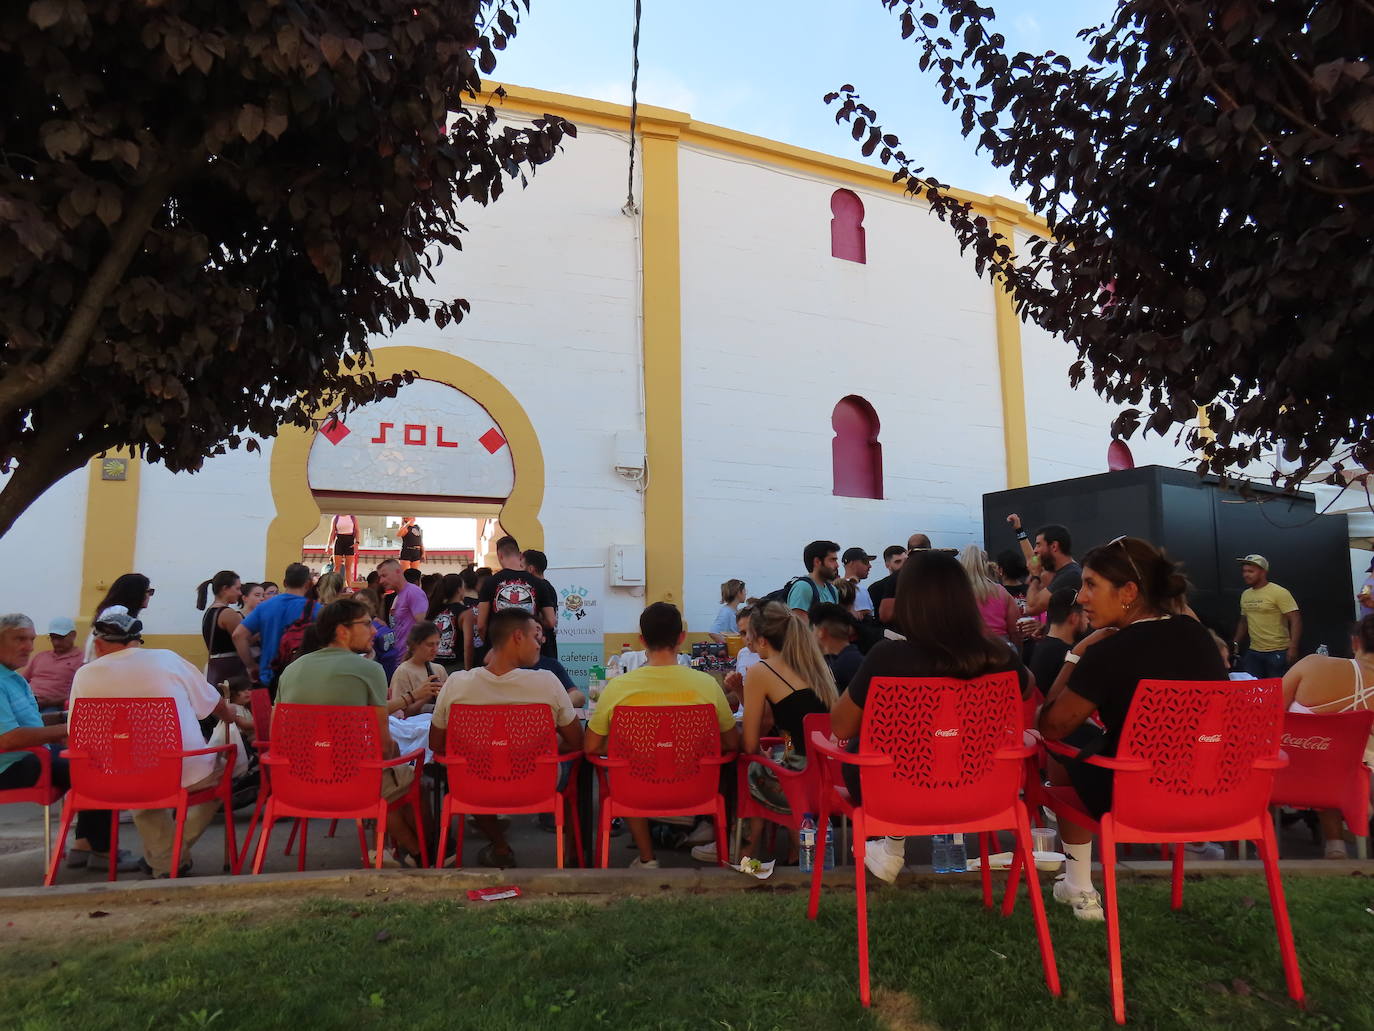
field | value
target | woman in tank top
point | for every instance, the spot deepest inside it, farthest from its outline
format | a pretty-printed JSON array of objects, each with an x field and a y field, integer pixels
[
  {"x": 343, "y": 545},
  {"x": 1325, "y": 684},
  {"x": 789, "y": 682},
  {"x": 217, "y": 625}
]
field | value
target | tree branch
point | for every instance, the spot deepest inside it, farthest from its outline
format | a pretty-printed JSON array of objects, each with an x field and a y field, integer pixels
[
  {"x": 58, "y": 449},
  {"x": 25, "y": 383}
]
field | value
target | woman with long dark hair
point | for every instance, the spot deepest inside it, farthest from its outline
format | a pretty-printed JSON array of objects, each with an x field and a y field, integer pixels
[
  {"x": 217, "y": 625},
  {"x": 446, "y": 610},
  {"x": 1134, "y": 597},
  {"x": 935, "y": 609},
  {"x": 131, "y": 593}
]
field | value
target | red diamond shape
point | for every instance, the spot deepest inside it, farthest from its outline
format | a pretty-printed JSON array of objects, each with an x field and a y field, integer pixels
[
  {"x": 334, "y": 431},
  {"x": 492, "y": 440}
]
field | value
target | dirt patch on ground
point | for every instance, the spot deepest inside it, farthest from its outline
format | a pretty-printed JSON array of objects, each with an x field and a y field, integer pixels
[{"x": 898, "y": 1011}]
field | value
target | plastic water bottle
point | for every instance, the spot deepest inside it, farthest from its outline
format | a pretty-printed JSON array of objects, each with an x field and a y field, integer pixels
[
  {"x": 829, "y": 847},
  {"x": 1323, "y": 650},
  {"x": 939, "y": 852},
  {"x": 958, "y": 860},
  {"x": 806, "y": 843}
]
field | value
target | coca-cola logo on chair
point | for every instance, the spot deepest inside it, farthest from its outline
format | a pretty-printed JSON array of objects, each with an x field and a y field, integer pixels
[{"x": 1311, "y": 743}]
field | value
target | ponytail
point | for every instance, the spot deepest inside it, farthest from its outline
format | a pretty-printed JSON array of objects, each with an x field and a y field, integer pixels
[
  {"x": 792, "y": 639},
  {"x": 224, "y": 578}
]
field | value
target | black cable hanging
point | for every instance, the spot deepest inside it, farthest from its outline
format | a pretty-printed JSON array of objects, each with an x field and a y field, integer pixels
[{"x": 630, "y": 208}]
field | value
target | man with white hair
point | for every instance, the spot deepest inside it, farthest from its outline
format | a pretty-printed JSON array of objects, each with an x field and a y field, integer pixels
[
  {"x": 22, "y": 727},
  {"x": 122, "y": 669}
]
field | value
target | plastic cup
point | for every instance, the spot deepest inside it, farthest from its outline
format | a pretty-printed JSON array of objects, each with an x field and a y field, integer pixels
[
  {"x": 733, "y": 643},
  {"x": 1042, "y": 839}
]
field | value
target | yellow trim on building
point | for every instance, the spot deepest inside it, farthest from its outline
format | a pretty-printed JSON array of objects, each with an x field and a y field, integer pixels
[
  {"x": 297, "y": 512},
  {"x": 616, "y": 117},
  {"x": 662, "y": 306},
  {"x": 111, "y": 532},
  {"x": 1015, "y": 437}
]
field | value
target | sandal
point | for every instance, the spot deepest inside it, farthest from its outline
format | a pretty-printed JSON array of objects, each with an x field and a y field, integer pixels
[{"x": 499, "y": 860}]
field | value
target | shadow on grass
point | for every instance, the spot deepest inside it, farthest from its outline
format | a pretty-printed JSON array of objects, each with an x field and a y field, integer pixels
[{"x": 747, "y": 961}]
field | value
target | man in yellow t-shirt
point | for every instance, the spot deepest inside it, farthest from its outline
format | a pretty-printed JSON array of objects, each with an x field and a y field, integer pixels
[
  {"x": 1269, "y": 617},
  {"x": 660, "y": 681}
]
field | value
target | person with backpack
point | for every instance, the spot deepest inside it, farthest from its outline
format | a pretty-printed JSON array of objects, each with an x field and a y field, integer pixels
[
  {"x": 822, "y": 562},
  {"x": 270, "y": 620}
]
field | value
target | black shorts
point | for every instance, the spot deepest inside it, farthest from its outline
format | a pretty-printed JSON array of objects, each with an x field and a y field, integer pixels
[
  {"x": 345, "y": 543},
  {"x": 1093, "y": 783},
  {"x": 412, "y": 554}
]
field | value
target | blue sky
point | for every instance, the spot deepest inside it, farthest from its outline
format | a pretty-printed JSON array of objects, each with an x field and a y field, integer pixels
[{"x": 762, "y": 66}]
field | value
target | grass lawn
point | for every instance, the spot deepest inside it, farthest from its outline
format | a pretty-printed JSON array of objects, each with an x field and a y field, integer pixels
[{"x": 727, "y": 961}]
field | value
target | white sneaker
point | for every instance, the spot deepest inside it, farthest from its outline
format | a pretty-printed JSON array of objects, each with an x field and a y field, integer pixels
[
  {"x": 705, "y": 853},
  {"x": 885, "y": 858},
  {"x": 641, "y": 864},
  {"x": 1087, "y": 905},
  {"x": 703, "y": 832},
  {"x": 1204, "y": 850}
]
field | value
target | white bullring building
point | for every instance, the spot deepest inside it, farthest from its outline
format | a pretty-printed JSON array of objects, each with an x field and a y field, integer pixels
[{"x": 778, "y": 346}]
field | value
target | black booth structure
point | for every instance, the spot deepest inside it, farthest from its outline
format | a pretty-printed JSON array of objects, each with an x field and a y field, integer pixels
[{"x": 1207, "y": 526}]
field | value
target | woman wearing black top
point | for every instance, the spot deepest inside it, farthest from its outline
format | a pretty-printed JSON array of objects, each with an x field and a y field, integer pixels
[
  {"x": 1130, "y": 588},
  {"x": 945, "y": 637}
]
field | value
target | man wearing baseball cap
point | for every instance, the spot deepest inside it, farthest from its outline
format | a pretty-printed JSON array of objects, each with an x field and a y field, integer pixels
[
  {"x": 857, "y": 563},
  {"x": 1269, "y": 619},
  {"x": 50, "y": 673}
]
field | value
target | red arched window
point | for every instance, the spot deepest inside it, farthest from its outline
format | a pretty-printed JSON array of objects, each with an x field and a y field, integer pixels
[
  {"x": 855, "y": 454},
  {"x": 847, "y": 227}
]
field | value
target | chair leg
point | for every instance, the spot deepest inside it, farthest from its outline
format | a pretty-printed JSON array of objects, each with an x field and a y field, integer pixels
[
  {"x": 176, "y": 840},
  {"x": 68, "y": 814},
  {"x": 333, "y": 826},
  {"x": 291, "y": 838},
  {"x": 114, "y": 844},
  {"x": 231, "y": 847},
  {"x": 604, "y": 835},
  {"x": 380, "y": 836},
  {"x": 1013, "y": 882},
  {"x": 1176, "y": 895},
  {"x": 1113, "y": 921},
  {"x": 1024, "y": 848},
  {"x": 861, "y": 905},
  {"x": 253, "y": 823},
  {"x": 304, "y": 825},
  {"x": 444, "y": 821},
  {"x": 269, "y": 817},
  {"x": 722, "y": 844},
  {"x": 458, "y": 838},
  {"x": 420, "y": 825},
  {"x": 577, "y": 831},
  {"x": 985, "y": 848},
  {"x": 1269, "y": 853},
  {"x": 47, "y": 837},
  {"x": 814, "y": 902}
]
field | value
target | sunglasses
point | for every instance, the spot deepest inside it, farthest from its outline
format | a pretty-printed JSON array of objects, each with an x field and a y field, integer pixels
[
  {"x": 1127, "y": 552},
  {"x": 150, "y": 592}
]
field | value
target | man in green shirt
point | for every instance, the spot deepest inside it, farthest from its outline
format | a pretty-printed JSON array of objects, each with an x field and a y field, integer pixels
[
  {"x": 338, "y": 674},
  {"x": 1269, "y": 618}
]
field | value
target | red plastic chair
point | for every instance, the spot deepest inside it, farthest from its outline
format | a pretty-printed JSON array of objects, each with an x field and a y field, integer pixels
[
  {"x": 1196, "y": 762},
  {"x": 801, "y": 787},
  {"x": 260, "y": 702},
  {"x": 326, "y": 762},
  {"x": 662, "y": 760},
  {"x": 125, "y": 753},
  {"x": 1326, "y": 767},
  {"x": 936, "y": 756},
  {"x": 504, "y": 759},
  {"x": 41, "y": 792}
]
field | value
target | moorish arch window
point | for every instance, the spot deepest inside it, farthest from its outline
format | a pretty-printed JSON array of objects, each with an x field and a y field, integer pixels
[
  {"x": 856, "y": 455},
  {"x": 847, "y": 227}
]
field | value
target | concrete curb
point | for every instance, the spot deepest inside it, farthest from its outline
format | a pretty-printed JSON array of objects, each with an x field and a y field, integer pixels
[{"x": 574, "y": 882}]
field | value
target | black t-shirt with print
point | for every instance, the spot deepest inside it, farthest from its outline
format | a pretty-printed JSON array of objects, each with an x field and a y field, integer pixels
[
  {"x": 518, "y": 589},
  {"x": 1178, "y": 648}
]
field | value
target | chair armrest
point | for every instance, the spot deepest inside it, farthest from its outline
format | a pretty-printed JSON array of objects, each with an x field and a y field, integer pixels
[
  {"x": 1015, "y": 752},
  {"x": 606, "y": 762},
  {"x": 561, "y": 757},
  {"x": 1107, "y": 762},
  {"x": 213, "y": 750},
  {"x": 68, "y": 753},
  {"x": 402, "y": 760},
  {"x": 820, "y": 745},
  {"x": 1276, "y": 762},
  {"x": 780, "y": 771}
]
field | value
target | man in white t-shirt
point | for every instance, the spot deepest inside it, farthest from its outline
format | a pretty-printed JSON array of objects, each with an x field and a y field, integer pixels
[
  {"x": 514, "y": 638},
  {"x": 122, "y": 669}
]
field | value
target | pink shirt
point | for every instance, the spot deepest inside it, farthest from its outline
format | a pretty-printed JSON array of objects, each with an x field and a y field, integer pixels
[
  {"x": 994, "y": 612},
  {"x": 50, "y": 676}
]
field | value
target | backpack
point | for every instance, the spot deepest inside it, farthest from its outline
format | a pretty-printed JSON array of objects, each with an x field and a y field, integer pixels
[
  {"x": 782, "y": 592},
  {"x": 289, "y": 646}
]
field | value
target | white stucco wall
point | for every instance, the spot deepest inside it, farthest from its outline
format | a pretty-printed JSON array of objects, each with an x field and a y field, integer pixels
[
  {"x": 776, "y": 331},
  {"x": 42, "y": 554}
]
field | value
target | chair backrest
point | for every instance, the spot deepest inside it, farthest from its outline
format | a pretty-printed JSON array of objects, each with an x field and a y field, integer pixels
[
  {"x": 664, "y": 746},
  {"x": 1325, "y": 761},
  {"x": 261, "y": 701},
  {"x": 131, "y": 748},
  {"x": 318, "y": 752},
  {"x": 1202, "y": 739},
  {"x": 943, "y": 736},
  {"x": 500, "y": 745}
]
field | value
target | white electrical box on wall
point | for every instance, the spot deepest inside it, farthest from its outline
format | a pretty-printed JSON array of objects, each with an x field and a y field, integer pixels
[{"x": 627, "y": 565}]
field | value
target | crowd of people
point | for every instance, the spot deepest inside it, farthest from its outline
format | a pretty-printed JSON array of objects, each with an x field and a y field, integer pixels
[{"x": 1079, "y": 636}]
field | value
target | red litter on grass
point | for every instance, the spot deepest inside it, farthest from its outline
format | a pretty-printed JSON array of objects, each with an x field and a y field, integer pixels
[{"x": 509, "y": 891}]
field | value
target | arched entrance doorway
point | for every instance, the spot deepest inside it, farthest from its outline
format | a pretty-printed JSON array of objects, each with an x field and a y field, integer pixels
[{"x": 455, "y": 442}]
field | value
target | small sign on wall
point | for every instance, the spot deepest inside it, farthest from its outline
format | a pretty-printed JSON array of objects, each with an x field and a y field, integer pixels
[
  {"x": 114, "y": 469},
  {"x": 581, "y": 591}
]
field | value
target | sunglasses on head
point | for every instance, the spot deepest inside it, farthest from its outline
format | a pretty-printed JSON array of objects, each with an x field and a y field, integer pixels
[{"x": 1127, "y": 552}]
